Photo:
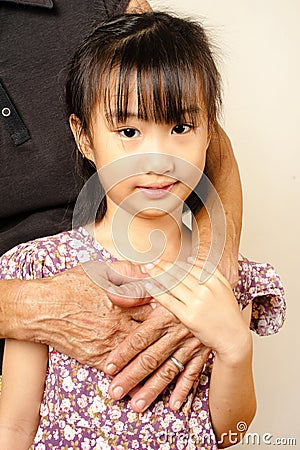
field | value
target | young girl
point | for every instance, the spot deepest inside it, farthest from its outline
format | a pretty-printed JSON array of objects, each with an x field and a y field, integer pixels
[{"x": 143, "y": 93}]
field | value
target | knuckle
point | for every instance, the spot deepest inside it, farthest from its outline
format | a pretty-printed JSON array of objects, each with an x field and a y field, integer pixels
[
  {"x": 148, "y": 362},
  {"x": 138, "y": 342},
  {"x": 167, "y": 373},
  {"x": 177, "y": 332},
  {"x": 194, "y": 367},
  {"x": 198, "y": 357}
]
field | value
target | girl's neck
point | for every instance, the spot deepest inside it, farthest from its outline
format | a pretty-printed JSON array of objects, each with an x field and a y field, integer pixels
[{"x": 144, "y": 239}]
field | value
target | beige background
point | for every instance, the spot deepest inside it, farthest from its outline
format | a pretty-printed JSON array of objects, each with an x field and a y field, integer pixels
[{"x": 260, "y": 49}]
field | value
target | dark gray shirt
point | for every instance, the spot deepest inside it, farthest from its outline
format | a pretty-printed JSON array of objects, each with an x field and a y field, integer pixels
[{"x": 38, "y": 180}]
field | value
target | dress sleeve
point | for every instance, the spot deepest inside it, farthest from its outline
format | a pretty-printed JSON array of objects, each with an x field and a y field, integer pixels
[
  {"x": 260, "y": 284},
  {"x": 40, "y": 258}
]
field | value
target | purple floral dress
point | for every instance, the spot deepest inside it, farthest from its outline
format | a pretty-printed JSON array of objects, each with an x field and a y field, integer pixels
[{"x": 77, "y": 412}]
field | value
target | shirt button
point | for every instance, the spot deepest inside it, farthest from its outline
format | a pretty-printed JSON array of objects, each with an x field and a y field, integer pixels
[{"x": 6, "y": 112}]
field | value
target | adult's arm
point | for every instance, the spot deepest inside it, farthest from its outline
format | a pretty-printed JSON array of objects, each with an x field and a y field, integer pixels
[
  {"x": 222, "y": 170},
  {"x": 70, "y": 312},
  {"x": 138, "y": 6}
]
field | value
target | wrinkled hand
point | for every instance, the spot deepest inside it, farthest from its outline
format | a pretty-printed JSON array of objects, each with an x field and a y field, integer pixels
[
  {"x": 152, "y": 344},
  {"x": 72, "y": 314}
]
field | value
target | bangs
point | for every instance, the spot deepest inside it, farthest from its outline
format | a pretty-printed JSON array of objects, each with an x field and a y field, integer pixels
[
  {"x": 166, "y": 75},
  {"x": 159, "y": 63},
  {"x": 161, "y": 94}
]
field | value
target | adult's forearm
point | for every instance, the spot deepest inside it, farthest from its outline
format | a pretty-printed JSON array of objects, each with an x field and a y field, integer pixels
[
  {"x": 9, "y": 312},
  {"x": 222, "y": 170},
  {"x": 26, "y": 305},
  {"x": 71, "y": 312},
  {"x": 138, "y": 6}
]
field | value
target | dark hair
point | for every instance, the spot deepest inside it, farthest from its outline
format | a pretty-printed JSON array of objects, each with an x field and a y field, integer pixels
[{"x": 170, "y": 58}]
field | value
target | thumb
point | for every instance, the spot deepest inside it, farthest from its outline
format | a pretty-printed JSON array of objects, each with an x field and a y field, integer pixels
[
  {"x": 122, "y": 270},
  {"x": 129, "y": 284},
  {"x": 122, "y": 281},
  {"x": 129, "y": 294},
  {"x": 117, "y": 272}
]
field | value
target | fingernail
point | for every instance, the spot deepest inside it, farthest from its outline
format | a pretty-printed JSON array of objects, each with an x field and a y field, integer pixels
[
  {"x": 153, "y": 304},
  {"x": 143, "y": 269},
  {"x": 177, "y": 404},
  {"x": 111, "y": 369},
  {"x": 118, "y": 391},
  {"x": 140, "y": 404},
  {"x": 149, "y": 266}
]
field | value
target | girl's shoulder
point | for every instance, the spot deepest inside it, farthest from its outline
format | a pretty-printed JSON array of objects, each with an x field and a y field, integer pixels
[{"x": 47, "y": 256}]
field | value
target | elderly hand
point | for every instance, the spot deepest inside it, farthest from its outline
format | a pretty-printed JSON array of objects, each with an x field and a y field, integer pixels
[
  {"x": 72, "y": 314},
  {"x": 147, "y": 351}
]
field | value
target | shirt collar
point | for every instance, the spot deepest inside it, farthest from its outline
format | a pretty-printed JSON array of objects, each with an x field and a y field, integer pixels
[{"x": 43, "y": 3}]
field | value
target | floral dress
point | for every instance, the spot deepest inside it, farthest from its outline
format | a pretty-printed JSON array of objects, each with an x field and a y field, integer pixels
[{"x": 77, "y": 412}]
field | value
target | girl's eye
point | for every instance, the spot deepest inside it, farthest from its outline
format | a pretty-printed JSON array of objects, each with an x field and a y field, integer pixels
[
  {"x": 129, "y": 132},
  {"x": 181, "y": 128}
]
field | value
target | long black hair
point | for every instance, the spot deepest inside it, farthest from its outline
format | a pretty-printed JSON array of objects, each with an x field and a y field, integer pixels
[{"x": 170, "y": 58}]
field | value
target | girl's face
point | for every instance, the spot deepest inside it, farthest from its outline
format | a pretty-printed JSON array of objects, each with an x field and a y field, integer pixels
[{"x": 156, "y": 165}]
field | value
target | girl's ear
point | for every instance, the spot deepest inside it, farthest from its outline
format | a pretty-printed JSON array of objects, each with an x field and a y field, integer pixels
[{"x": 82, "y": 141}]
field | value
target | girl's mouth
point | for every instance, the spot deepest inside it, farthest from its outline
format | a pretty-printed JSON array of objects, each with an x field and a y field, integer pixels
[{"x": 156, "y": 191}]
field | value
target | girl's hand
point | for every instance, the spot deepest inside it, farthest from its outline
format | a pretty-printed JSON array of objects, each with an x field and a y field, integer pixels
[{"x": 210, "y": 310}]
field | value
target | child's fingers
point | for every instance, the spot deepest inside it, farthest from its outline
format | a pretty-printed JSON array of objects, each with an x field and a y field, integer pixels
[
  {"x": 171, "y": 276},
  {"x": 182, "y": 280},
  {"x": 182, "y": 285},
  {"x": 205, "y": 272},
  {"x": 166, "y": 299},
  {"x": 186, "y": 273}
]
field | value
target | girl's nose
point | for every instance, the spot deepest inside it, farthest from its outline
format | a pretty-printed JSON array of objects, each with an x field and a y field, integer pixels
[{"x": 160, "y": 163}]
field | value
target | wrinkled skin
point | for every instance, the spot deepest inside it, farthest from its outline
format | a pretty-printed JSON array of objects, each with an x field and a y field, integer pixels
[
  {"x": 158, "y": 338},
  {"x": 71, "y": 313}
]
